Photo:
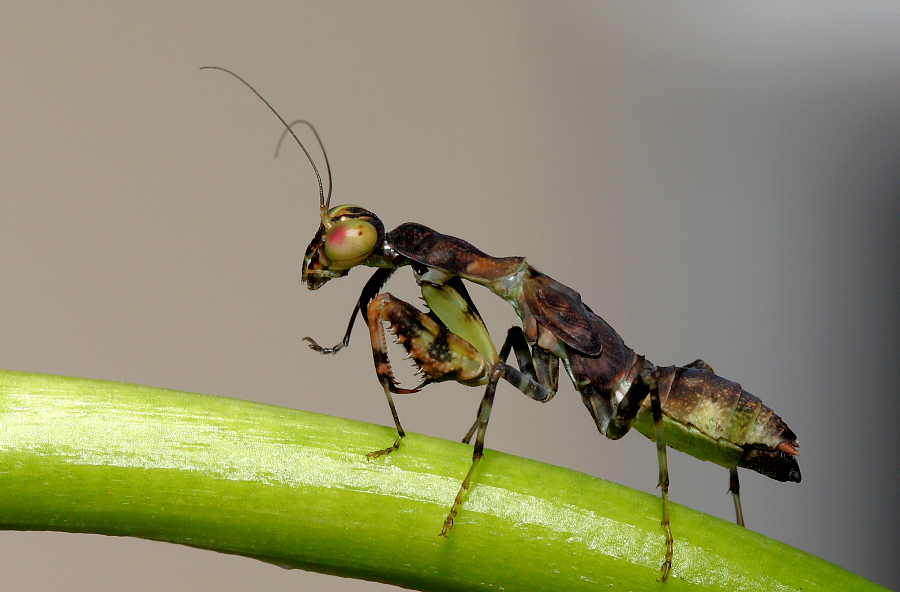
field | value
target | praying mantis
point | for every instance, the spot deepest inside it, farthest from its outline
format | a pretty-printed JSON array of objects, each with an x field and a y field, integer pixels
[{"x": 688, "y": 408}]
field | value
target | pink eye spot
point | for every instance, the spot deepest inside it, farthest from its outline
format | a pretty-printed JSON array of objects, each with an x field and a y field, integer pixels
[{"x": 337, "y": 237}]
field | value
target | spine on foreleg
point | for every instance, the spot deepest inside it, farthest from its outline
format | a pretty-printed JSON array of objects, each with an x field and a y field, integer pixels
[
  {"x": 714, "y": 419},
  {"x": 437, "y": 353}
]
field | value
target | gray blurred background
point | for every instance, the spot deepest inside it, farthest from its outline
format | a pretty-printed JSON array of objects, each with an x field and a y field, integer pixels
[{"x": 716, "y": 181}]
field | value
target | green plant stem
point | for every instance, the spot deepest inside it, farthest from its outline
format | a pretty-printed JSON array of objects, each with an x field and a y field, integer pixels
[{"x": 296, "y": 489}]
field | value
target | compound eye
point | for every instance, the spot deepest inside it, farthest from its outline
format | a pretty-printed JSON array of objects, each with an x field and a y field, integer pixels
[{"x": 349, "y": 243}]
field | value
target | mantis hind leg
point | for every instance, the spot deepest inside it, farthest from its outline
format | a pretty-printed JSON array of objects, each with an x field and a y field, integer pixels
[
  {"x": 734, "y": 487},
  {"x": 615, "y": 413},
  {"x": 650, "y": 378}
]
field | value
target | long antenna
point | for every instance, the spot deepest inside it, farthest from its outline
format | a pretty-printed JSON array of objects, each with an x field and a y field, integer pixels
[
  {"x": 321, "y": 146},
  {"x": 323, "y": 203}
]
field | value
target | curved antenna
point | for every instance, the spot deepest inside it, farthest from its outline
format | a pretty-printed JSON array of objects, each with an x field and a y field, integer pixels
[
  {"x": 321, "y": 146},
  {"x": 323, "y": 205}
]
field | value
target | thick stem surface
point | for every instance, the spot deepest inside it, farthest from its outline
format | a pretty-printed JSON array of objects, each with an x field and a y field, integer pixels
[{"x": 296, "y": 489}]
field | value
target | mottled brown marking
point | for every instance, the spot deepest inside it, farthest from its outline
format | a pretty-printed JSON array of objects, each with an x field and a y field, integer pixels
[
  {"x": 684, "y": 395},
  {"x": 745, "y": 411},
  {"x": 560, "y": 309},
  {"x": 450, "y": 254},
  {"x": 717, "y": 405}
]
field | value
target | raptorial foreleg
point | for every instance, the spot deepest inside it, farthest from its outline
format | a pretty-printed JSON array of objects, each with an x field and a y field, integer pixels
[
  {"x": 442, "y": 355},
  {"x": 439, "y": 354}
]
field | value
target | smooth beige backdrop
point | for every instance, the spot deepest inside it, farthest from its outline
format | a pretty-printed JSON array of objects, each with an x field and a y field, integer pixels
[{"x": 716, "y": 181}]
